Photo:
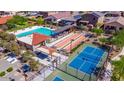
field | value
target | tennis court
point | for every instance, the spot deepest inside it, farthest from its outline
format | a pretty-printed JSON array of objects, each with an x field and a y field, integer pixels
[
  {"x": 58, "y": 78},
  {"x": 86, "y": 61}
]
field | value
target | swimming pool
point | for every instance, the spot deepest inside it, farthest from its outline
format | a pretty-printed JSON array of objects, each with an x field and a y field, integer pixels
[
  {"x": 41, "y": 30},
  {"x": 88, "y": 59}
]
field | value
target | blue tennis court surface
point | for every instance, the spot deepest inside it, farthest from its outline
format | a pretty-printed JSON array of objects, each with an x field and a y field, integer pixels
[
  {"x": 57, "y": 78},
  {"x": 88, "y": 59}
]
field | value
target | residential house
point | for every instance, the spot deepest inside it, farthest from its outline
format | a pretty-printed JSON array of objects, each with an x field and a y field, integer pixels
[
  {"x": 55, "y": 17},
  {"x": 115, "y": 23},
  {"x": 93, "y": 18},
  {"x": 5, "y": 13},
  {"x": 112, "y": 14},
  {"x": 70, "y": 20},
  {"x": 3, "y": 21}
]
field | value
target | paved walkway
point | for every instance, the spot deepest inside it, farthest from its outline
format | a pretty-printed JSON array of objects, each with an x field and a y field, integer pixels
[
  {"x": 118, "y": 56},
  {"x": 24, "y": 30},
  {"x": 47, "y": 71},
  {"x": 108, "y": 72},
  {"x": 43, "y": 75}
]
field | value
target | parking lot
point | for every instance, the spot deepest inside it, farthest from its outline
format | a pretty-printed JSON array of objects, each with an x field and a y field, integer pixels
[{"x": 4, "y": 65}]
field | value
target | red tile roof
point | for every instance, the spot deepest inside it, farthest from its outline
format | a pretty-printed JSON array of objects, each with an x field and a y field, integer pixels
[
  {"x": 3, "y": 20},
  {"x": 38, "y": 38}
]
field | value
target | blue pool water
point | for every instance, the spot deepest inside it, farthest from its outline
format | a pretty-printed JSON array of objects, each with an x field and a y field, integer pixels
[
  {"x": 41, "y": 30},
  {"x": 87, "y": 60},
  {"x": 57, "y": 78}
]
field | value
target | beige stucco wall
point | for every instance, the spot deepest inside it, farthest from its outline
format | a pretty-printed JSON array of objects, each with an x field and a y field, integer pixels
[
  {"x": 117, "y": 25},
  {"x": 101, "y": 19}
]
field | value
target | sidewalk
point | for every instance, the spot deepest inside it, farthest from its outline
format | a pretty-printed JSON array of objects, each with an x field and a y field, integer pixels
[{"x": 118, "y": 56}]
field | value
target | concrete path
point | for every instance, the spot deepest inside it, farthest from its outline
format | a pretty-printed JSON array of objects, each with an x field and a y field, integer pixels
[{"x": 118, "y": 56}]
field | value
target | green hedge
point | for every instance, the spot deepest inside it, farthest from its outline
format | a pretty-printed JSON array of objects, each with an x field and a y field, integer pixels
[
  {"x": 2, "y": 73},
  {"x": 9, "y": 69},
  {"x": 74, "y": 49}
]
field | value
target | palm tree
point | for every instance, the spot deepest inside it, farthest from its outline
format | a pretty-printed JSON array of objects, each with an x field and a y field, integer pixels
[
  {"x": 118, "y": 69},
  {"x": 102, "y": 40},
  {"x": 97, "y": 31},
  {"x": 118, "y": 39}
]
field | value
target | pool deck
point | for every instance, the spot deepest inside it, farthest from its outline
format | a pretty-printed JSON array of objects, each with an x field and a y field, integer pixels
[
  {"x": 28, "y": 29},
  {"x": 24, "y": 30}
]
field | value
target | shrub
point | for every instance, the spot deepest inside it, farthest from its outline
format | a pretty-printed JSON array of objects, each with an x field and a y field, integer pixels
[
  {"x": 2, "y": 73},
  {"x": 97, "y": 31},
  {"x": 9, "y": 69}
]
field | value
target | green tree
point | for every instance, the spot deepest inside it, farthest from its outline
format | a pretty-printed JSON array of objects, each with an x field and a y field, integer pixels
[
  {"x": 9, "y": 69},
  {"x": 3, "y": 35},
  {"x": 10, "y": 37},
  {"x": 118, "y": 39},
  {"x": 105, "y": 41},
  {"x": 15, "y": 48},
  {"x": 7, "y": 45},
  {"x": 27, "y": 55},
  {"x": 97, "y": 31},
  {"x": 34, "y": 65},
  {"x": 16, "y": 20},
  {"x": 3, "y": 73},
  {"x": 118, "y": 70},
  {"x": 40, "y": 21}
]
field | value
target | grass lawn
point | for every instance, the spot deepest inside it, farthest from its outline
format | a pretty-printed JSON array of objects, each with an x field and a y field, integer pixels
[{"x": 18, "y": 27}]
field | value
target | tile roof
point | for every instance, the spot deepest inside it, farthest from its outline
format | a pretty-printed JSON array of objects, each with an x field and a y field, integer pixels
[
  {"x": 97, "y": 14},
  {"x": 61, "y": 15},
  {"x": 113, "y": 12},
  {"x": 119, "y": 20},
  {"x": 38, "y": 38},
  {"x": 3, "y": 20},
  {"x": 64, "y": 28},
  {"x": 73, "y": 18}
]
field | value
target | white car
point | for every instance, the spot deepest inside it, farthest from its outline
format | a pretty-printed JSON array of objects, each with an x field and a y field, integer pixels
[{"x": 11, "y": 59}]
